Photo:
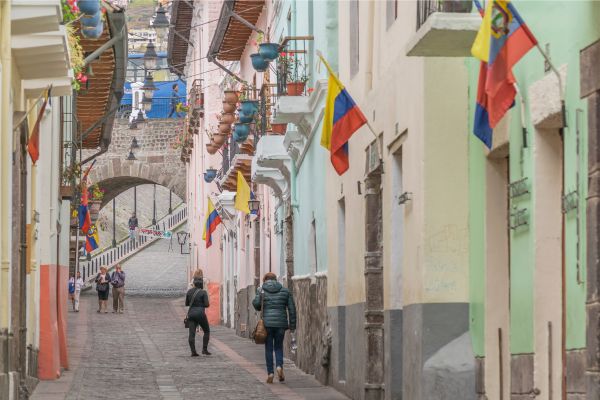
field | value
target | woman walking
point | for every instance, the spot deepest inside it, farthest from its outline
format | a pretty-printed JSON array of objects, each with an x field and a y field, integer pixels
[
  {"x": 279, "y": 314},
  {"x": 102, "y": 287},
  {"x": 197, "y": 300}
]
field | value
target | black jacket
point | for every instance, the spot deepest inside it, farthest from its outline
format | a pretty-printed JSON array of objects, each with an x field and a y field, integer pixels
[
  {"x": 279, "y": 308},
  {"x": 196, "y": 310}
]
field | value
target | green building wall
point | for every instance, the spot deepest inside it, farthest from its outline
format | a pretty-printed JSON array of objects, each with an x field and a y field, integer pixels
[{"x": 567, "y": 27}]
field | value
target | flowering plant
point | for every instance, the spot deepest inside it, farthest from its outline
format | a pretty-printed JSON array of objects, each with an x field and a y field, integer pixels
[
  {"x": 182, "y": 108},
  {"x": 293, "y": 68},
  {"x": 70, "y": 10},
  {"x": 96, "y": 192},
  {"x": 71, "y": 172}
]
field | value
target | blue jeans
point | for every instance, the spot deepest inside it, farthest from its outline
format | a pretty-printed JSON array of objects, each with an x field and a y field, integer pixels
[{"x": 274, "y": 342}]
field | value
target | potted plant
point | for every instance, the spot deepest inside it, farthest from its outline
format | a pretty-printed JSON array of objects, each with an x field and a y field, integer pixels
[
  {"x": 249, "y": 107},
  {"x": 259, "y": 63},
  {"x": 210, "y": 174},
  {"x": 224, "y": 128},
  {"x": 89, "y": 6},
  {"x": 211, "y": 148},
  {"x": 241, "y": 132},
  {"x": 228, "y": 118},
  {"x": 245, "y": 118},
  {"x": 295, "y": 73},
  {"x": 228, "y": 108},
  {"x": 268, "y": 51},
  {"x": 230, "y": 96},
  {"x": 219, "y": 139},
  {"x": 279, "y": 129}
]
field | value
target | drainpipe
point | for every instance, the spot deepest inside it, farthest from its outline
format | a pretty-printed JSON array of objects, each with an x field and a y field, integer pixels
[{"x": 293, "y": 175}]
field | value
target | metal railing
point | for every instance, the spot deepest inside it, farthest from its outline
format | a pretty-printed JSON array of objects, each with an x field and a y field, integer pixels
[
  {"x": 196, "y": 102},
  {"x": 427, "y": 7},
  {"x": 111, "y": 255},
  {"x": 293, "y": 66}
]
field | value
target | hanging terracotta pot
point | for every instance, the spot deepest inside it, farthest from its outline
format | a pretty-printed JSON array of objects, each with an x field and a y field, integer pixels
[
  {"x": 228, "y": 108},
  {"x": 219, "y": 139},
  {"x": 228, "y": 118},
  {"x": 224, "y": 128},
  {"x": 295, "y": 88},
  {"x": 211, "y": 148},
  {"x": 231, "y": 97}
]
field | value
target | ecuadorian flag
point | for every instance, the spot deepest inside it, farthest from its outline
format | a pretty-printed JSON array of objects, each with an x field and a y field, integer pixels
[
  {"x": 85, "y": 219},
  {"x": 502, "y": 40},
  {"x": 91, "y": 239},
  {"x": 341, "y": 119},
  {"x": 213, "y": 219}
]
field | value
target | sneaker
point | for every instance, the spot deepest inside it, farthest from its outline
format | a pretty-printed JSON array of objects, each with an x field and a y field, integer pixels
[
  {"x": 270, "y": 378},
  {"x": 194, "y": 354},
  {"x": 280, "y": 374}
]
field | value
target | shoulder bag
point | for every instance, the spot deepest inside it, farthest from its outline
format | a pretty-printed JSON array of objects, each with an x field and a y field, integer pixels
[
  {"x": 259, "y": 335},
  {"x": 186, "y": 323}
]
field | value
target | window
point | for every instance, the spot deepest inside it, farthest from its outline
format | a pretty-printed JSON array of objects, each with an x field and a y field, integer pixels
[{"x": 354, "y": 41}]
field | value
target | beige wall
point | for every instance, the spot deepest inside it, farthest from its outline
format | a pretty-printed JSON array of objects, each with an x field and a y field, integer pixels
[{"x": 390, "y": 88}]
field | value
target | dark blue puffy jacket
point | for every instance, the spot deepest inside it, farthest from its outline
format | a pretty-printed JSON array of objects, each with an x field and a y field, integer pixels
[{"x": 279, "y": 308}]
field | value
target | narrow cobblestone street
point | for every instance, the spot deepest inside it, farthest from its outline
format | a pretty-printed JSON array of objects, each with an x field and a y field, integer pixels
[{"x": 143, "y": 354}]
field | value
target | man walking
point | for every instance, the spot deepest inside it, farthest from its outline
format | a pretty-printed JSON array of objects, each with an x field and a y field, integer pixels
[
  {"x": 133, "y": 224},
  {"x": 118, "y": 281}
]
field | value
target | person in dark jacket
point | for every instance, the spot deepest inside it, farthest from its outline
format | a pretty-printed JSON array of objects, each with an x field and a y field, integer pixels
[
  {"x": 279, "y": 315},
  {"x": 117, "y": 279},
  {"x": 197, "y": 300}
]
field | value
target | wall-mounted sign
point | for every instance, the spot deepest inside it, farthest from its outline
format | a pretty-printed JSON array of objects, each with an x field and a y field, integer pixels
[{"x": 155, "y": 234}]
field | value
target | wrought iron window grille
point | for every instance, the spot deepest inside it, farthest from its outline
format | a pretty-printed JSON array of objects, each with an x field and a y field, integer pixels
[
  {"x": 518, "y": 218},
  {"x": 518, "y": 188},
  {"x": 570, "y": 202}
]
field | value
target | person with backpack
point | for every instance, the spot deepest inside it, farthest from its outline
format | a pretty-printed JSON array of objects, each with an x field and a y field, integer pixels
[
  {"x": 197, "y": 301},
  {"x": 117, "y": 279},
  {"x": 278, "y": 314}
]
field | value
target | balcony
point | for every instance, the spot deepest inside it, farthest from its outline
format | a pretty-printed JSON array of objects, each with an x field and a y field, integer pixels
[
  {"x": 271, "y": 165},
  {"x": 445, "y": 28},
  {"x": 236, "y": 157},
  {"x": 196, "y": 100},
  {"x": 40, "y": 47}
]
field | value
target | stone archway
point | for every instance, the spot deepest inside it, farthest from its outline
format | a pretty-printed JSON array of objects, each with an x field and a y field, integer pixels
[{"x": 156, "y": 160}]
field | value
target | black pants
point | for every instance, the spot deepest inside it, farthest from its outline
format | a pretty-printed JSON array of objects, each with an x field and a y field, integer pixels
[{"x": 193, "y": 323}]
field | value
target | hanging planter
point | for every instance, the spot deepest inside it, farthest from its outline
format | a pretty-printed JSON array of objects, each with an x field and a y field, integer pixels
[
  {"x": 219, "y": 139},
  {"x": 224, "y": 128},
  {"x": 241, "y": 132},
  {"x": 295, "y": 88},
  {"x": 245, "y": 118},
  {"x": 249, "y": 107},
  {"x": 269, "y": 51},
  {"x": 211, "y": 148},
  {"x": 228, "y": 108},
  {"x": 90, "y": 20},
  {"x": 279, "y": 129},
  {"x": 89, "y": 7},
  {"x": 231, "y": 97},
  {"x": 259, "y": 63},
  {"x": 209, "y": 175},
  {"x": 92, "y": 32},
  {"x": 228, "y": 118}
]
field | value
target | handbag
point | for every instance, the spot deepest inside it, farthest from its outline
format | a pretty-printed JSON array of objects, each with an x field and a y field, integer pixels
[
  {"x": 259, "y": 335},
  {"x": 186, "y": 322}
]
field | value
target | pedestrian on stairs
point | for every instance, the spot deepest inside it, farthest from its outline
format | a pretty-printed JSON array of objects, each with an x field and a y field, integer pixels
[
  {"x": 279, "y": 315},
  {"x": 103, "y": 287},
  {"x": 133, "y": 224},
  {"x": 197, "y": 300},
  {"x": 117, "y": 280},
  {"x": 72, "y": 290}
]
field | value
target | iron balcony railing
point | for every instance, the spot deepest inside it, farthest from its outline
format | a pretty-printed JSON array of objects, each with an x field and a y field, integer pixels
[{"x": 427, "y": 7}]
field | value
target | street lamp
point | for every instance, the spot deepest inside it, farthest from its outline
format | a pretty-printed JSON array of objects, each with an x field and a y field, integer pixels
[
  {"x": 133, "y": 124},
  {"x": 146, "y": 103},
  {"x": 134, "y": 143},
  {"x": 140, "y": 117},
  {"x": 149, "y": 87},
  {"x": 253, "y": 205},
  {"x": 160, "y": 22},
  {"x": 131, "y": 156},
  {"x": 150, "y": 56}
]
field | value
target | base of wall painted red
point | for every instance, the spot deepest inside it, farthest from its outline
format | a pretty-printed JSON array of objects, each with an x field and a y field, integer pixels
[
  {"x": 53, "y": 355},
  {"x": 213, "y": 313}
]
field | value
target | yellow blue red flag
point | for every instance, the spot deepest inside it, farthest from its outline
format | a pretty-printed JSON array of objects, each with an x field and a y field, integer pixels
[
  {"x": 502, "y": 40},
  {"x": 213, "y": 219},
  {"x": 341, "y": 119},
  {"x": 91, "y": 239}
]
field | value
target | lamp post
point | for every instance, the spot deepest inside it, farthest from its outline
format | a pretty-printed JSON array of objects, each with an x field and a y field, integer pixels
[
  {"x": 135, "y": 200},
  {"x": 150, "y": 57},
  {"x": 146, "y": 103},
  {"x": 131, "y": 156},
  {"x": 114, "y": 240},
  {"x": 160, "y": 22},
  {"x": 253, "y": 205},
  {"x": 149, "y": 87},
  {"x": 154, "y": 206},
  {"x": 140, "y": 117},
  {"x": 134, "y": 143},
  {"x": 170, "y": 209}
]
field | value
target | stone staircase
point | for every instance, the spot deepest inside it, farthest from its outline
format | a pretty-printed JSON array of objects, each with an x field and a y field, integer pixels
[{"x": 127, "y": 248}]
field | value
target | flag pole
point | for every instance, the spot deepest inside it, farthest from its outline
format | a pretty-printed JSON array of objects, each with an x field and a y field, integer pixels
[{"x": 331, "y": 73}]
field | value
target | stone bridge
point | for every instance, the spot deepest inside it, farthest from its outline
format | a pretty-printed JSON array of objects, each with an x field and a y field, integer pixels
[{"x": 157, "y": 162}]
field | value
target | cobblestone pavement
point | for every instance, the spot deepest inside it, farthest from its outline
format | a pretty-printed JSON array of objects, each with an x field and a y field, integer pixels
[
  {"x": 143, "y": 354},
  {"x": 157, "y": 271}
]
